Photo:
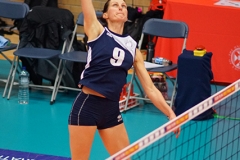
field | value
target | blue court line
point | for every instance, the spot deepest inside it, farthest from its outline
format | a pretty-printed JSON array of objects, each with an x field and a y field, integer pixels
[{"x": 17, "y": 155}]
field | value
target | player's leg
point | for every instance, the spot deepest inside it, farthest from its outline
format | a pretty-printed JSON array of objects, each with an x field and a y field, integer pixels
[
  {"x": 81, "y": 138},
  {"x": 81, "y": 126},
  {"x": 114, "y": 138}
]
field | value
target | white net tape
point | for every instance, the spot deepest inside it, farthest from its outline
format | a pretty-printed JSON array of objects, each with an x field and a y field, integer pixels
[{"x": 177, "y": 122}]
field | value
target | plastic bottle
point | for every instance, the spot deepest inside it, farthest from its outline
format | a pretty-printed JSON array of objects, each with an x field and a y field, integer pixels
[
  {"x": 161, "y": 61},
  {"x": 23, "y": 93},
  {"x": 150, "y": 51}
]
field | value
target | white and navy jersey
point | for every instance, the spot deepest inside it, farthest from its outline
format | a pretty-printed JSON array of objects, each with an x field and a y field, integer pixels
[{"x": 110, "y": 56}]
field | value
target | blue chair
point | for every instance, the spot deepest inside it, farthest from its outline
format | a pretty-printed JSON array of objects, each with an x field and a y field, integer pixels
[
  {"x": 44, "y": 54},
  {"x": 72, "y": 56},
  {"x": 13, "y": 11},
  {"x": 165, "y": 29}
]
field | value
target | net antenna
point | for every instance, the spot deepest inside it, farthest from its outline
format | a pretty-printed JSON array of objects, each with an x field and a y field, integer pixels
[{"x": 176, "y": 122}]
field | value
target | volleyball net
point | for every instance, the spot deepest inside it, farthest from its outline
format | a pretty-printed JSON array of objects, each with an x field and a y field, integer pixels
[{"x": 216, "y": 138}]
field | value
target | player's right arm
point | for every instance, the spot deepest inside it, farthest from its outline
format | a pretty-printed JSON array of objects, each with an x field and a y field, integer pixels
[{"x": 92, "y": 27}]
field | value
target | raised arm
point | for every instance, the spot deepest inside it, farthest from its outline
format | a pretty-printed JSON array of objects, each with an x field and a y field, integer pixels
[{"x": 92, "y": 26}]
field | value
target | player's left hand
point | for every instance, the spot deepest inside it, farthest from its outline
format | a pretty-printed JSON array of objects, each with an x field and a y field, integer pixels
[{"x": 177, "y": 130}]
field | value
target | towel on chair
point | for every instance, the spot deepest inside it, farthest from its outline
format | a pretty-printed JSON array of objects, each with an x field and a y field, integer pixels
[{"x": 3, "y": 42}]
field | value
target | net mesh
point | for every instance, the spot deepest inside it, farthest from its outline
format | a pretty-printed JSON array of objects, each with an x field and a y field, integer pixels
[{"x": 217, "y": 138}]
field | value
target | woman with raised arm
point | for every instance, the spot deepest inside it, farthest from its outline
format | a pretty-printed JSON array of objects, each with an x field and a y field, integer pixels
[{"x": 110, "y": 56}]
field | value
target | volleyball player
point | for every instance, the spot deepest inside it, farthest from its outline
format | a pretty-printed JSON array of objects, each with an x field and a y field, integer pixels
[{"x": 110, "y": 56}]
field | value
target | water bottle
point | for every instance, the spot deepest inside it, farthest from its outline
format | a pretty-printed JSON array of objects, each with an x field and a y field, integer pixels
[
  {"x": 23, "y": 93},
  {"x": 150, "y": 51},
  {"x": 161, "y": 61}
]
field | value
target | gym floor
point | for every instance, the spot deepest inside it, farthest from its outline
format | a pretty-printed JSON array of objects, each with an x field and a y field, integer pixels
[{"x": 41, "y": 129}]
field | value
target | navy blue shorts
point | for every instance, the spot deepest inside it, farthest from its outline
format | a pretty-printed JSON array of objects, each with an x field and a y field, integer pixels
[{"x": 90, "y": 110}]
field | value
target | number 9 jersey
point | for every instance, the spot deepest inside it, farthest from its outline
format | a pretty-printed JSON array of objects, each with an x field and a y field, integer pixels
[{"x": 110, "y": 56}]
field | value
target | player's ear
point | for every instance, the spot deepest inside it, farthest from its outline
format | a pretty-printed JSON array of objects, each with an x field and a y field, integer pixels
[{"x": 105, "y": 15}]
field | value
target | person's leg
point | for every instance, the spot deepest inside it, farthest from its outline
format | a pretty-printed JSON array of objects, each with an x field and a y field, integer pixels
[
  {"x": 81, "y": 127},
  {"x": 81, "y": 138},
  {"x": 114, "y": 138}
]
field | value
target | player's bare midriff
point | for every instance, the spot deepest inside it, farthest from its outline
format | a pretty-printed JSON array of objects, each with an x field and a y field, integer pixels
[{"x": 87, "y": 90}]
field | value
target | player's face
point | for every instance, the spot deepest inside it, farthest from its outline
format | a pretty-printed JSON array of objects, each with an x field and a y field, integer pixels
[{"x": 117, "y": 11}]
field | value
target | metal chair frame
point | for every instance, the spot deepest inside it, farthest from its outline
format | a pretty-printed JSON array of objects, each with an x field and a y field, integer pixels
[
  {"x": 73, "y": 56},
  {"x": 14, "y": 11},
  {"x": 165, "y": 29},
  {"x": 39, "y": 53}
]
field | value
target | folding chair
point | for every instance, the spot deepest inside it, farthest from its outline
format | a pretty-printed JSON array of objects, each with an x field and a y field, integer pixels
[
  {"x": 73, "y": 56},
  {"x": 14, "y": 11},
  {"x": 35, "y": 53},
  {"x": 165, "y": 29}
]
